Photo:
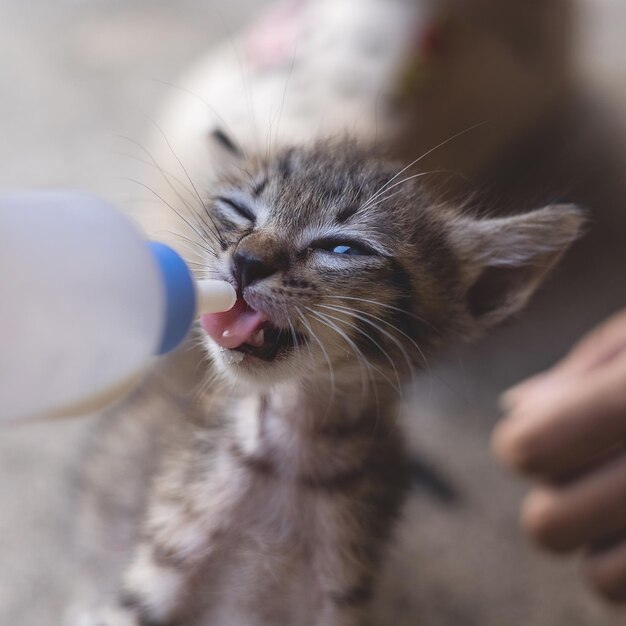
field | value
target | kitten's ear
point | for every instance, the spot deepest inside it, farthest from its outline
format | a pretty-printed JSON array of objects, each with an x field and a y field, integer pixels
[
  {"x": 225, "y": 150},
  {"x": 504, "y": 260}
]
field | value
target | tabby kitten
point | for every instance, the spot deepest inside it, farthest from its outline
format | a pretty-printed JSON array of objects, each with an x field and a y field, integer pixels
[{"x": 278, "y": 489}]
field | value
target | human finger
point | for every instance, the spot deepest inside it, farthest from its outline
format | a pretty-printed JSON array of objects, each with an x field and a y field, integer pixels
[
  {"x": 606, "y": 571},
  {"x": 579, "y": 513},
  {"x": 554, "y": 433}
]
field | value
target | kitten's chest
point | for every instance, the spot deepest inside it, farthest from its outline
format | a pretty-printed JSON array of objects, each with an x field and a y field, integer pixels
[
  {"x": 277, "y": 515},
  {"x": 277, "y": 512},
  {"x": 278, "y": 509},
  {"x": 269, "y": 557},
  {"x": 273, "y": 442}
]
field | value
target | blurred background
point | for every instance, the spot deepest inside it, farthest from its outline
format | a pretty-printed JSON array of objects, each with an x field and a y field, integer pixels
[{"x": 78, "y": 76}]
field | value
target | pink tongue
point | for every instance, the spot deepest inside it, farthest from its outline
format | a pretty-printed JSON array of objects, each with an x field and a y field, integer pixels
[{"x": 235, "y": 327}]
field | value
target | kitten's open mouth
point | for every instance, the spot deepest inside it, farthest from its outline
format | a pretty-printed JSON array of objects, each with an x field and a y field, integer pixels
[{"x": 248, "y": 331}]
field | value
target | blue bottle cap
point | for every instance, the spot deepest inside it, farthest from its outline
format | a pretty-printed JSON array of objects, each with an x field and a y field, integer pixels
[{"x": 180, "y": 295}]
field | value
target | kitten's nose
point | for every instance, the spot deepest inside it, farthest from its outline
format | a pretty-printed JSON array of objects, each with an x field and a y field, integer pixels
[
  {"x": 249, "y": 268},
  {"x": 255, "y": 260}
]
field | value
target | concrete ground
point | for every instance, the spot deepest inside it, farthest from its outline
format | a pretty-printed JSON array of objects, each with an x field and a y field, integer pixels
[{"x": 78, "y": 76}]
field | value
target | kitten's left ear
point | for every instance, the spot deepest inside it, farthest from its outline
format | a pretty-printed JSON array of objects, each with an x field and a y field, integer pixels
[
  {"x": 503, "y": 260},
  {"x": 225, "y": 150}
]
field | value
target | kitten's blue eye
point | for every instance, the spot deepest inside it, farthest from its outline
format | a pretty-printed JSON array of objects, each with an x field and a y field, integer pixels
[
  {"x": 348, "y": 248},
  {"x": 351, "y": 250}
]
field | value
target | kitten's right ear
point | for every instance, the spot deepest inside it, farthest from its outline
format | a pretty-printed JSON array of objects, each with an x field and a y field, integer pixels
[{"x": 503, "y": 260}]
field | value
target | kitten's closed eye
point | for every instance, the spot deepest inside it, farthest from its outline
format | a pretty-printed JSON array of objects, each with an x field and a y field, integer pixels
[{"x": 230, "y": 207}]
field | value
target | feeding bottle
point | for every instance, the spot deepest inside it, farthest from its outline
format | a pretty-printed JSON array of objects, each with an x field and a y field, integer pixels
[{"x": 85, "y": 303}]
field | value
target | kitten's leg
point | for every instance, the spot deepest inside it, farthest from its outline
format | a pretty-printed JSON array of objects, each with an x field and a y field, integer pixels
[
  {"x": 347, "y": 589},
  {"x": 156, "y": 585},
  {"x": 177, "y": 542},
  {"x": 346, "y": 562},
  {"x": 153, "y": 589}
]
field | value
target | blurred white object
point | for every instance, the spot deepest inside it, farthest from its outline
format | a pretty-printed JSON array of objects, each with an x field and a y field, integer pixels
[
  {"x": 86, "y": 303},
  {"x": 407, "y": 75}
]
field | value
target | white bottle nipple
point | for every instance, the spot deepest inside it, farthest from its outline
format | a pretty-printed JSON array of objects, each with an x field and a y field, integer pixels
[{"x": 214, "y": 296}]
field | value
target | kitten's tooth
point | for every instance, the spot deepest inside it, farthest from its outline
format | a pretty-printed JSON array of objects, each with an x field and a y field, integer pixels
[
  {"x": 233, "y": 357},
  {"x": 227, "y": 333},
  {"x": 236, "y": 357},
  {"x": 258, "y": 339}
]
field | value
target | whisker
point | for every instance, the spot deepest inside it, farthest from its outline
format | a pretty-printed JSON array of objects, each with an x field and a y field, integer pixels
[
  {"x": 387, "y": 306},
  {"x": 388, "y": 186},
  {"x": 354, "y": 347},
  {"x": 189, "y": 241},
  {"x": 432, "y": 375},
  {"x": 407, "y": 336},
  {"x": 363, "y": 315},
  {"x": 202, "y": 270},
  {"x": 360, "y": 357},
  {"x": 166, "y": 174},
  {"x": 208, "y": 232},
  {"x": 167, "y": 177},
  {"x": 397, "y": 387},
  {"x": 425, "y": 154},
  {"x": 369, "y": 204},
  {"x": 202, "y": 203},
  {"x": 180, "y": 215},
  {"x": 331, "y": 371}
]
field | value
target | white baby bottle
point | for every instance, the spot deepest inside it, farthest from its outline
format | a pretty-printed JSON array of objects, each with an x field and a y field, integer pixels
[{"x": 85, "y": 303}]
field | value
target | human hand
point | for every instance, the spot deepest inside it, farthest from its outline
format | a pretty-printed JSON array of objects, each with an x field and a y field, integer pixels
[{"x": 566, "y": 429}]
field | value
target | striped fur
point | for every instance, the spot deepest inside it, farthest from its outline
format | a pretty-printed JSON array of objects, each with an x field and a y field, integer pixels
[{"x": 278, "y": 489}]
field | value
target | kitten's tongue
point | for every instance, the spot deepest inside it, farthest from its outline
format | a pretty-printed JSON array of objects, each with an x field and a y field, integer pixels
[{"x": 233, "y": 328}]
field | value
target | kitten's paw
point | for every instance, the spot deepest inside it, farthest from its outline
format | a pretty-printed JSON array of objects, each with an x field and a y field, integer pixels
[{"x": 118, "y": 617}]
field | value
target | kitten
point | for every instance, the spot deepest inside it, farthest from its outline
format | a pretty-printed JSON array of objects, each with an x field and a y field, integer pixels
[{"x": 278, "y": 487}]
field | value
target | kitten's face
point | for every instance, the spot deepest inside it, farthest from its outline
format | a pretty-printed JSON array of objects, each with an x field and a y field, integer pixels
[
  {"x": 339, "y": 268},
  {"x": 324, "y": 268}
]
